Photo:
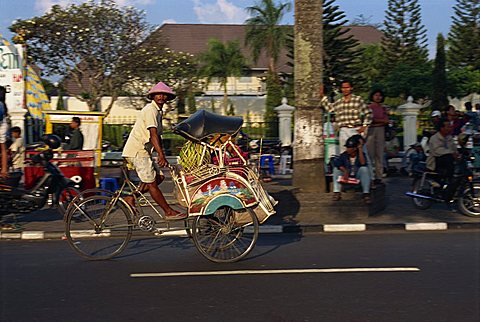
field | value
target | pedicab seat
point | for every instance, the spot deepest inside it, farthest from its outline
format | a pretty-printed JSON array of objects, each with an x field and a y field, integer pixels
[{"x": 202, "y": 125}]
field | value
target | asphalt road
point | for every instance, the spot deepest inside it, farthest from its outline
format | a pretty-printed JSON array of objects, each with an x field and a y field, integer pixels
[{"x": 390, "y": 277}]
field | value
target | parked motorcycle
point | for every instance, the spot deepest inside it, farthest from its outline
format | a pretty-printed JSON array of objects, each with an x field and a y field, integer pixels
[
  {"x": 14, "y": 199},
  {"x": 463, "y": 189}
]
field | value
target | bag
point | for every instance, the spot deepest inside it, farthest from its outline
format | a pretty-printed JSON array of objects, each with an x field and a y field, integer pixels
[{"x": 389, "y": 133}]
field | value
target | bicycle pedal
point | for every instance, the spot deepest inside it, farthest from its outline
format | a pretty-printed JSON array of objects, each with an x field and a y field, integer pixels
[{"x": 146, "y": 223}]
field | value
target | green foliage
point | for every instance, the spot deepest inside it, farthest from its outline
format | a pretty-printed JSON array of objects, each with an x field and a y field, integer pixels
[
  {"x": 177, "y": 69},
  {"x": 342, "y": 52},
  {"x": 221, "y": 61},
  {"x": 113, "y": 133},
  {"x": 94, "y": 43},
  {"x": 464, "y": 36},
  {"x": 371, "y": 62},
  {"x": 463, "y": 81},
  {"x": 405, "y": 69},
  {"x": 439, "y": 80},
  {"x": 405, "y": 35},
  {"x": 405, "y": 80},
  {"x": 264, "y": 32},
  {"x": 274, "y": 99}
]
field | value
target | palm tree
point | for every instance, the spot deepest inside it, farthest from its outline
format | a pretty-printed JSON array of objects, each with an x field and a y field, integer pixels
[
  {"x": 308, "y": 151},
  {"x": 264, "y": 31},
  {"x": 222, "y": 61}
]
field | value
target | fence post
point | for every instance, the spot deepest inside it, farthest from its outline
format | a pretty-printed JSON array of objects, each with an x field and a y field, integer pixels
[
  {"x": 285, "y": 122},
  {"x": 409, "y": 112}
]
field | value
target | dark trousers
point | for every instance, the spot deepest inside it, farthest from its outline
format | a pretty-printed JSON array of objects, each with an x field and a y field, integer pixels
[{"x": 445, "y": 167}]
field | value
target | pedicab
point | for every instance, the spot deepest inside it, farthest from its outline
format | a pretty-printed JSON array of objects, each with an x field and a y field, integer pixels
[{"x": 222, "y": 194}]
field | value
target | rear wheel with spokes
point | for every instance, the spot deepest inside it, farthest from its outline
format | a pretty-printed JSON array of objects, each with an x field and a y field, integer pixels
[
  {"x": 226, "y": 236},
  {"x": 469, "y": 201},
  {"x": 97, "y": 229}
]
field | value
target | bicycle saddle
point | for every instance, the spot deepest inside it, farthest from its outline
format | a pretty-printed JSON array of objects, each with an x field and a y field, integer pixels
[{"x": 202, "y": 124}]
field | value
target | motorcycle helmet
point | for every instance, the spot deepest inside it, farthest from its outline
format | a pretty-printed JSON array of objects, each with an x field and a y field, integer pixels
[{"x": 52, "y": 140}]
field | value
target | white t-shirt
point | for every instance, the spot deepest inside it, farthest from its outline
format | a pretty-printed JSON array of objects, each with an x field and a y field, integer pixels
[
  {"x": 18, "y": 153},
  {"x": 139, "y": 138}
]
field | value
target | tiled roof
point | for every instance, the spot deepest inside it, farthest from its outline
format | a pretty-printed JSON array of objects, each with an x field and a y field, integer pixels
[{"x": 193, "y": 39}]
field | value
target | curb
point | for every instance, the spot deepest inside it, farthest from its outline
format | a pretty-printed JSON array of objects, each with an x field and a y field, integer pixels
[{"x": 275, "y": 229}]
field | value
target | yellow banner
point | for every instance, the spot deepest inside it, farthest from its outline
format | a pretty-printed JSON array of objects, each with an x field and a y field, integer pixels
[{"x": 36, "y": 98}]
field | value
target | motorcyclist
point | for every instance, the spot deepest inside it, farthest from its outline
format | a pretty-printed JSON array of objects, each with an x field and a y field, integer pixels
[{"x": 442, "y": 156}]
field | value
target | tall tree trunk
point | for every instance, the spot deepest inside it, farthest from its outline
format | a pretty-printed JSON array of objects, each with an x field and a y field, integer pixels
[{"x": 308, "y": 149}]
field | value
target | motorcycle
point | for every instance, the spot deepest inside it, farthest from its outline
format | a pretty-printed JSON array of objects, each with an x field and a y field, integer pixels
[
  {"x": 462, "y": 189},
  {"x": 14, "y": 199}
]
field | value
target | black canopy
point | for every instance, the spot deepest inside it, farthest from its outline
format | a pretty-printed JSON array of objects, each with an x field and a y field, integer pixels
[{"x": 202, "y": 124}]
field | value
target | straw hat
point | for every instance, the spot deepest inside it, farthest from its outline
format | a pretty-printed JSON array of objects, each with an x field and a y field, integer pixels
[{"x": 161, "y": 88}]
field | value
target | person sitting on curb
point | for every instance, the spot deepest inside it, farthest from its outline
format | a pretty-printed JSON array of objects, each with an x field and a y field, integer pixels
[{"x": 352, "y": 164}]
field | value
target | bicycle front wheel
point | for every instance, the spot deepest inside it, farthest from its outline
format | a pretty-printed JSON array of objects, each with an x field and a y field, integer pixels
[
  {"x": 97, "y": 229},
  {"x": 226, "y": 236}
]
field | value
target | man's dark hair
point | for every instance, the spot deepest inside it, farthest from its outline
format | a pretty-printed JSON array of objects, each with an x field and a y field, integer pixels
[
  {"x": 16, "y": 129},
  {"x": 77, "y": 120},
  {"x": 375, "y": 92},
  {"x": 441, "y": 124},
  {"x": 468, "y": 106},
  {"x": 346, "y": 81}
]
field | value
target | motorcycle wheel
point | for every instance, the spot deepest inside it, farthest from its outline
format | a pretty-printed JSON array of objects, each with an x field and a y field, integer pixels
[
  {"x": 424, "y": 189},
  {"x": 468, "y": 204},
  {"x": 66, "y": 196}
]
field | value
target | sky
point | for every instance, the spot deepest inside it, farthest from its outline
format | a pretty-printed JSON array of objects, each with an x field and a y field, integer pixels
[{"x": 436, "y": 14}]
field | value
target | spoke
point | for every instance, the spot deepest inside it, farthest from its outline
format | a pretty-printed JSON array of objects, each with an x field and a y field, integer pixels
[{"x": 214, "y": 239}]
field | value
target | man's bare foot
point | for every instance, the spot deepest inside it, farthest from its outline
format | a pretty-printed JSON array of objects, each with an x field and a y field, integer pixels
[{"x": 172, "y": 214}]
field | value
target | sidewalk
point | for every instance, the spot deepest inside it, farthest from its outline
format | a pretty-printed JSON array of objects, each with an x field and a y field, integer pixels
[
  {"x": 399, "y": 214},
  {"x": 292, "y": 216}
]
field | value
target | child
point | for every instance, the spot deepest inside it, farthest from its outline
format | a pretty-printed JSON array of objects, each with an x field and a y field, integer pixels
[{"x": 17, "y": 149}]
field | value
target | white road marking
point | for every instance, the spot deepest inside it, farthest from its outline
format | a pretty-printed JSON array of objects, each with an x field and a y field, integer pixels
[
  {"x": 344, "y": 227},
  {"x": 281, "y": 271},
  {"x": 33, "y": 235},
  {"x": 427, "y": 226}
]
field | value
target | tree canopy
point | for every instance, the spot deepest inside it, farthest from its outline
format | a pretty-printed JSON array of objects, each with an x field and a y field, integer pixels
[
  {"x": 439, "y": 79},
  {"x": 342, "y": 51},
  {"x": 221, "y": 61},
  {"x": 264, "y": 31},
  {"x": 464, "y": 36},
  {"x": 98, "y": 45},
  {"x": 405, "y": 35}
]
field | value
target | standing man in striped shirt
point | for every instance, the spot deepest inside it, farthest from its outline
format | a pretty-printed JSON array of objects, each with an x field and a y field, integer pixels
[{"x": 352, "y": 115}]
